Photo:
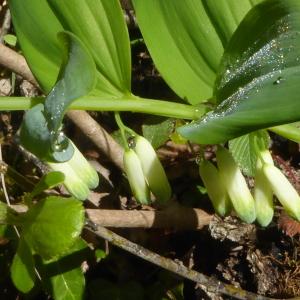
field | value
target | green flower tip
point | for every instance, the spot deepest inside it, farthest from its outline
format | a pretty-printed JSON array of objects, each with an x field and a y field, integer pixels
[
  {"x": 80, "y": 176},
  {"x": 236, "y": 186}
]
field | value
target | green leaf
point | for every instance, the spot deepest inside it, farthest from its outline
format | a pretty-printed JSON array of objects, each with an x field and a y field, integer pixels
[
  {"x": 10, "y": 40},
  {"x": 53, "y": 225},
  {"x": 48, "y": 181},
  {"x": 289, "y": 131},
  {"x": 157, "y": 130},
  {"x": 22, "y": 268},
  {"x": 186, "y": 40},
  {"x": 40, "y": 131},
  {"x": 8, "y": 215},
  {"x": 243, "y": 150},
  {"x": 76, "y": 79},
  {"x": 65, "y": 275},
  {"x": 36, "y": 27},
  {"x": 101, "y": 27},
  {"x": 258, "y": 80}
]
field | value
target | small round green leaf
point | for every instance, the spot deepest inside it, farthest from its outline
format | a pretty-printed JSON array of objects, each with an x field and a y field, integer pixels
[
  {"x": 53, "y": 225},
  {"x": 48, "y": 181},
  {"x": 22, "y": 268}
]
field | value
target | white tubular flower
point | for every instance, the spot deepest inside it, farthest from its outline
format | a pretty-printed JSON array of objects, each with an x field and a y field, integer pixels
[
  {"x": 236, "y": 186},
  {"x": 83, "y": 169},
  {"x": 263, "y": 196},
  {"x": 153, "y": 171},
  {"x": 80, "y": 176},
  {"x": 215, "y": 187},
  {"x": 283, "y": 189},
  {"x": 135, "y": 175}
]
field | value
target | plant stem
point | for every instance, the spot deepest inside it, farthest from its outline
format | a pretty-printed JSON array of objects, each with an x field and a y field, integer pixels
[
  {"x": 132, "y": 103},
  {"x": 122, "y": 129}
]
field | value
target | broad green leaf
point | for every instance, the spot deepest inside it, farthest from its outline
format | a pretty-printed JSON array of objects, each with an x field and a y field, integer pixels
[
  {"x": 186, "y": 38},
  {"x": 36, "y": 27},
  {"x": 289, "y": 131},
  {"x": 53, "y": 225},
  {"x": 226, "y": 15},
  {"x": 157, "y": 130},
  {"x": 48, "y": 181},
  {"x": 8, "y": 215},
  {"x": 4, "y": 210},
  {"x": 76, "y": 79},
  {"x": 22, "y": 268},
  {"x": 68, "y": 285},
  {"x": 65, "y": 275},
  {"x": 40, "y": 131},
  {"x": 258, "y": 81},
  {"x": 101, "y": 27},
  {"x": 243, "y": 150},
  {"x": 34, "y": 134}
]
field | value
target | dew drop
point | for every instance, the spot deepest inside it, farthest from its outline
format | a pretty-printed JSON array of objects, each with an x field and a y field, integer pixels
[
  {"x": 278, "y": 80},
  {"x": 131, "y": 142},
  {"x": 198, "y": 159}
]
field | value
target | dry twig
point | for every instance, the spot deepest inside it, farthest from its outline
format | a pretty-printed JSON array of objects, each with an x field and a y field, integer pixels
[
  {"x": 207, "y": 283},
  {"x": 169, "y": 218}
]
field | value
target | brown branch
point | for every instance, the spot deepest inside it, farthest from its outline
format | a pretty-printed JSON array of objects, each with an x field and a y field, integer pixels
[
  {"x": 5, "y": 24},
  {"x": 97, "y": 134},
  {"x": 207, "y": 283},
  {"x": 16, "y": 63},
  {"x": 170, "y": 218}
]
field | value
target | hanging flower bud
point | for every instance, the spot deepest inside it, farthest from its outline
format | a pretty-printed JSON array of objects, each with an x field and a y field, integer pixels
[
  {"x": 135, "y": 175},
  {"x": 283, "y": 189},
  {"x": 83, "y": 169},
  {"x": 75, "y": 185},
  {"x": 215, "y": 187},
  {"x": 80, "y": 176},
  {"x": 263, "y": 196},
  {"x": 236, "y": 186},
  {"x": 153, "y": 170}
]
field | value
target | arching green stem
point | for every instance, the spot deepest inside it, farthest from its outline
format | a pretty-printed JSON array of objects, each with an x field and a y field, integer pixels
[
  {"x": 122, "y": 128},
  {"x": 132, "y": 103}
]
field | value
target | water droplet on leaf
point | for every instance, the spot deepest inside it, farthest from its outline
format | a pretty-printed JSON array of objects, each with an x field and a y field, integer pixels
[{"x": 278, "y": 80}]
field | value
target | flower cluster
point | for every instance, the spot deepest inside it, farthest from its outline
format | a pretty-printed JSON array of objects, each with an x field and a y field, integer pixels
[
  {"x": 145, "y": 172},
  {"x": 227, "y": 186}
]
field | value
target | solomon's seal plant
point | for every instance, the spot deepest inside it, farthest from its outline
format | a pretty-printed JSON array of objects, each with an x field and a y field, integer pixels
[{"x": 235, "y": 67}]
